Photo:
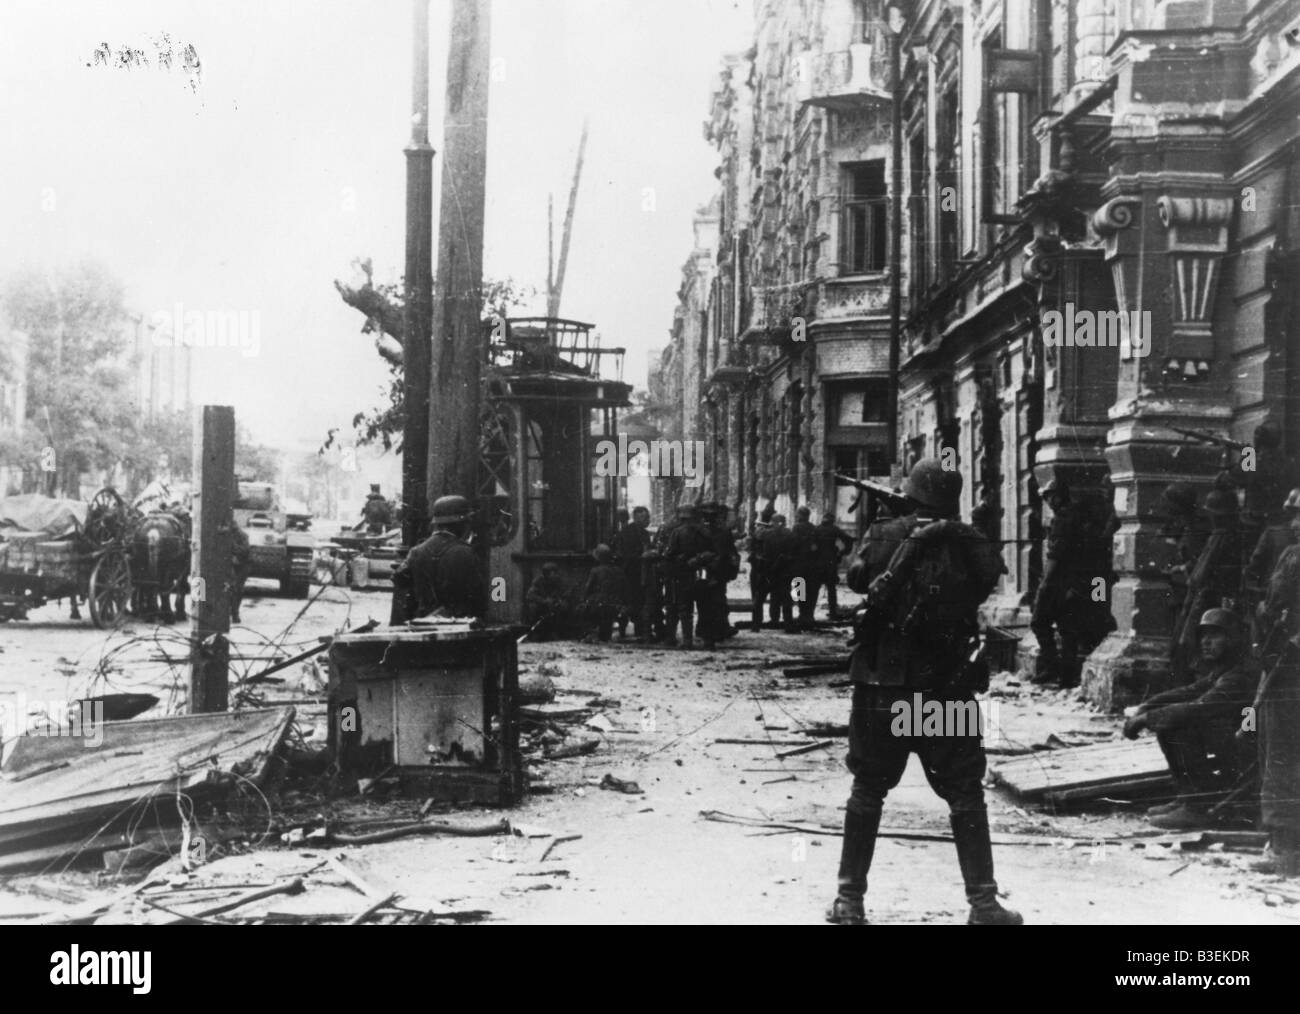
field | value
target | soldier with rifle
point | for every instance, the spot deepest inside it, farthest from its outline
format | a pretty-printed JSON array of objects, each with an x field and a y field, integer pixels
[
  {"x": 689, "y": 553},
  {"x": 1259, "y": 468},
  {"x": 1215, "y": 580},
  {"x": 924, "y": 574}
]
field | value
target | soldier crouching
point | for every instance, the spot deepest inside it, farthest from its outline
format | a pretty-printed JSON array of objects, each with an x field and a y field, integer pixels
[{"x": 923, "y": 573}]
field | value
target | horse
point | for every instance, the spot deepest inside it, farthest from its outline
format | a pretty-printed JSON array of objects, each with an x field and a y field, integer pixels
[{"x": 160, "y": 564}]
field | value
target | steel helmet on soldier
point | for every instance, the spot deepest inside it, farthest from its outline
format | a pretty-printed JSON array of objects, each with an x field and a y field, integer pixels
[
  {"x": 934, "y": 486},
  {"x": 1220, "y": 619},
  {"x": 450, "y": 509}
]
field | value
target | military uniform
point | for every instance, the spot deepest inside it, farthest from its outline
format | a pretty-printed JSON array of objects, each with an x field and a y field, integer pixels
[
  {"x": 377, "y": 514},
  {"x": 831, "y": 546},
  {"x": 446, "y": 576},
  {"x": 630, "y": 546},
  {"x": 715, "y": 620},
  {"x": 241, "y": 560},
  {"x": 548, "y": 605},
  {"x": 443, "y": 573},
  {"x": 1078, "y": 554},
  {"x": 779, "y": 553},
  {"x": 1196, "y": 726},
  {"x": 805, "y": 567},
  {"x": 689, "y": 552},
  {"x": 604, "y": 598},
  {"x": 924, "y": 579},
  {"x": 1214, "y": 580},
  {"x": 1278, "y": 711},
  {"x": 666, "y": 610}
]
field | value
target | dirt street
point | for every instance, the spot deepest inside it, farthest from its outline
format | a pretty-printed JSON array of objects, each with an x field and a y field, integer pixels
[{"x": 651, "y": 856}]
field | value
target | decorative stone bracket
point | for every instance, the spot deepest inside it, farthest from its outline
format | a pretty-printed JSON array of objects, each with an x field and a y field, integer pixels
[{"x": 1198, "y": 240}]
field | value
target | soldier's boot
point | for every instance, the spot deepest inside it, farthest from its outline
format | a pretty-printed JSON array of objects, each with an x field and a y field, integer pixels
[
  {"x": 856, "y": 853},
  {"x": 970, "y": 831},
  {"x": 1284, "y": 854},
  {"x": 1047, "y": 665}
]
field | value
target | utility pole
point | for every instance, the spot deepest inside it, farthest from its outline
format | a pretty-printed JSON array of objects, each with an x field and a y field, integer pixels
[
  {"x": 557, "y": 288},
  {"x": 210, "y": 561},
  {"x": 458, "y": 338},
  {"x": 419, "y": 302},
  {"x": 895, "y": 226}
]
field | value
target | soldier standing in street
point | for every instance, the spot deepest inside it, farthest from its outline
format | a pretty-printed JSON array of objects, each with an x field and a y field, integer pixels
[
  {"x": 377, "y": 513},
  {"x": 1063, "y": 591},
  {"x": 690, "y": 548},
  {"x": 924, "y": 576},
  {"x": 833, "y": 544},
  {"x": 778, "y": 559},
  {"x": 664, "y": 575},
  {"x": 726, "y": 569},
  {"x": 443, "y": 575},
  {"x": 633, "y": 541},
  {"x": 804, "y": 566}
]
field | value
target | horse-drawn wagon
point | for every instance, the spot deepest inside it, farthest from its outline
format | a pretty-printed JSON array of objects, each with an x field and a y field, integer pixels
[{"x": 65, "y": 549}]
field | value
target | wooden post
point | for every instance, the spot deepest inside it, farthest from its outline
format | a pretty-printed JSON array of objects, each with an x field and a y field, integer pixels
[
  {"x": 419, "y": 300},
  {"x": 458, "y": 337},
  {"x": 211, "y": 567}
]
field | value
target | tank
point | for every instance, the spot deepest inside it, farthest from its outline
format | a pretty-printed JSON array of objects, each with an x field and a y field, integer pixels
[{"x": 281, "y": 546}]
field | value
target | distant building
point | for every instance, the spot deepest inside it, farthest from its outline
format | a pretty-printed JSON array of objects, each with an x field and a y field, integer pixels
[{"x": 792, "y": 382}]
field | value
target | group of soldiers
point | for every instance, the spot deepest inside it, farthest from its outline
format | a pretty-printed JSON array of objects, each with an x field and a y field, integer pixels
[{"x": 670, "y": 586}]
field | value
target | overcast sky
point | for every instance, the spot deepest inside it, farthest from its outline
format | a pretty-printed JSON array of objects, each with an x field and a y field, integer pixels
[{"x": 256, "y": 188}]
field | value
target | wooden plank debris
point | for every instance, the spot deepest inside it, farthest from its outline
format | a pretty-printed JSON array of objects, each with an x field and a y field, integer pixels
[{"x": 1086, "y": 772}]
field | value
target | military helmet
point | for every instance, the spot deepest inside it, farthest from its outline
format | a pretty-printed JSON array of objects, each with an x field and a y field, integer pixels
[
  {"x": 450, "y": 509},
  {"x": 803, "y": 513},
  {"x": 1292, "y": 501},
  {"x": 934, "y": 486},
  {"x": 374, "y": 487},
  {"x": 1221, "y": 619},
  {"x": 1221, "y": 502},
  {"x": 1180, "y": 494},
  {"x": 602, "y": 553}
]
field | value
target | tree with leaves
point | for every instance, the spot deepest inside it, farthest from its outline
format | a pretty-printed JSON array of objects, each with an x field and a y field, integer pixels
[
  {"x": 384, "y": 308},
  {"x": 79, "y": 383}
]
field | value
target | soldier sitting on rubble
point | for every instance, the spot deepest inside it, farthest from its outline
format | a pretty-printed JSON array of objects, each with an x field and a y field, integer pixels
[
  {"x": 604, "y": 595},
  {"x": 1196, "y": 725},
  {"x": 548, "y": 605}
]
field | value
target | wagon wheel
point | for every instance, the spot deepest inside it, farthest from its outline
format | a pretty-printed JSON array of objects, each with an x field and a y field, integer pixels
[
  {"x": 107, "y": 519},
  {"x": 110, "y": 590}
]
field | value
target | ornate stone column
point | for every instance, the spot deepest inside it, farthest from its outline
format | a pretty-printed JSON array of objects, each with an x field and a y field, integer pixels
[{"x": 1164, "y": 254}]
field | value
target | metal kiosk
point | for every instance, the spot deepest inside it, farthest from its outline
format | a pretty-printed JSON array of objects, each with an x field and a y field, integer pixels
[{"x": 433, "y": 701}]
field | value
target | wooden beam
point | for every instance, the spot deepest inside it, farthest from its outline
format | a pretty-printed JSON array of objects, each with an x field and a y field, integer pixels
[
  {"x": 452, "y": 415},
  {"x": 211, "y": 566}
]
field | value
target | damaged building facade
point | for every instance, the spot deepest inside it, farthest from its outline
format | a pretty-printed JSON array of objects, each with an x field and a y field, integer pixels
[
  {"x": 781, "y": 348},
  {"x": 1127, "y": 160}
]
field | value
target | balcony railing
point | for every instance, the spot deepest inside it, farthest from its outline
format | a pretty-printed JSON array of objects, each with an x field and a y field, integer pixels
[
  {"x": 846, "y": 80},
  {"x": 849, "y": 298}
]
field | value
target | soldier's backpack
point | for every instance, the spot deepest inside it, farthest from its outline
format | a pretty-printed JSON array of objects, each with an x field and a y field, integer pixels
[{"x": 935, "y": 583}]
